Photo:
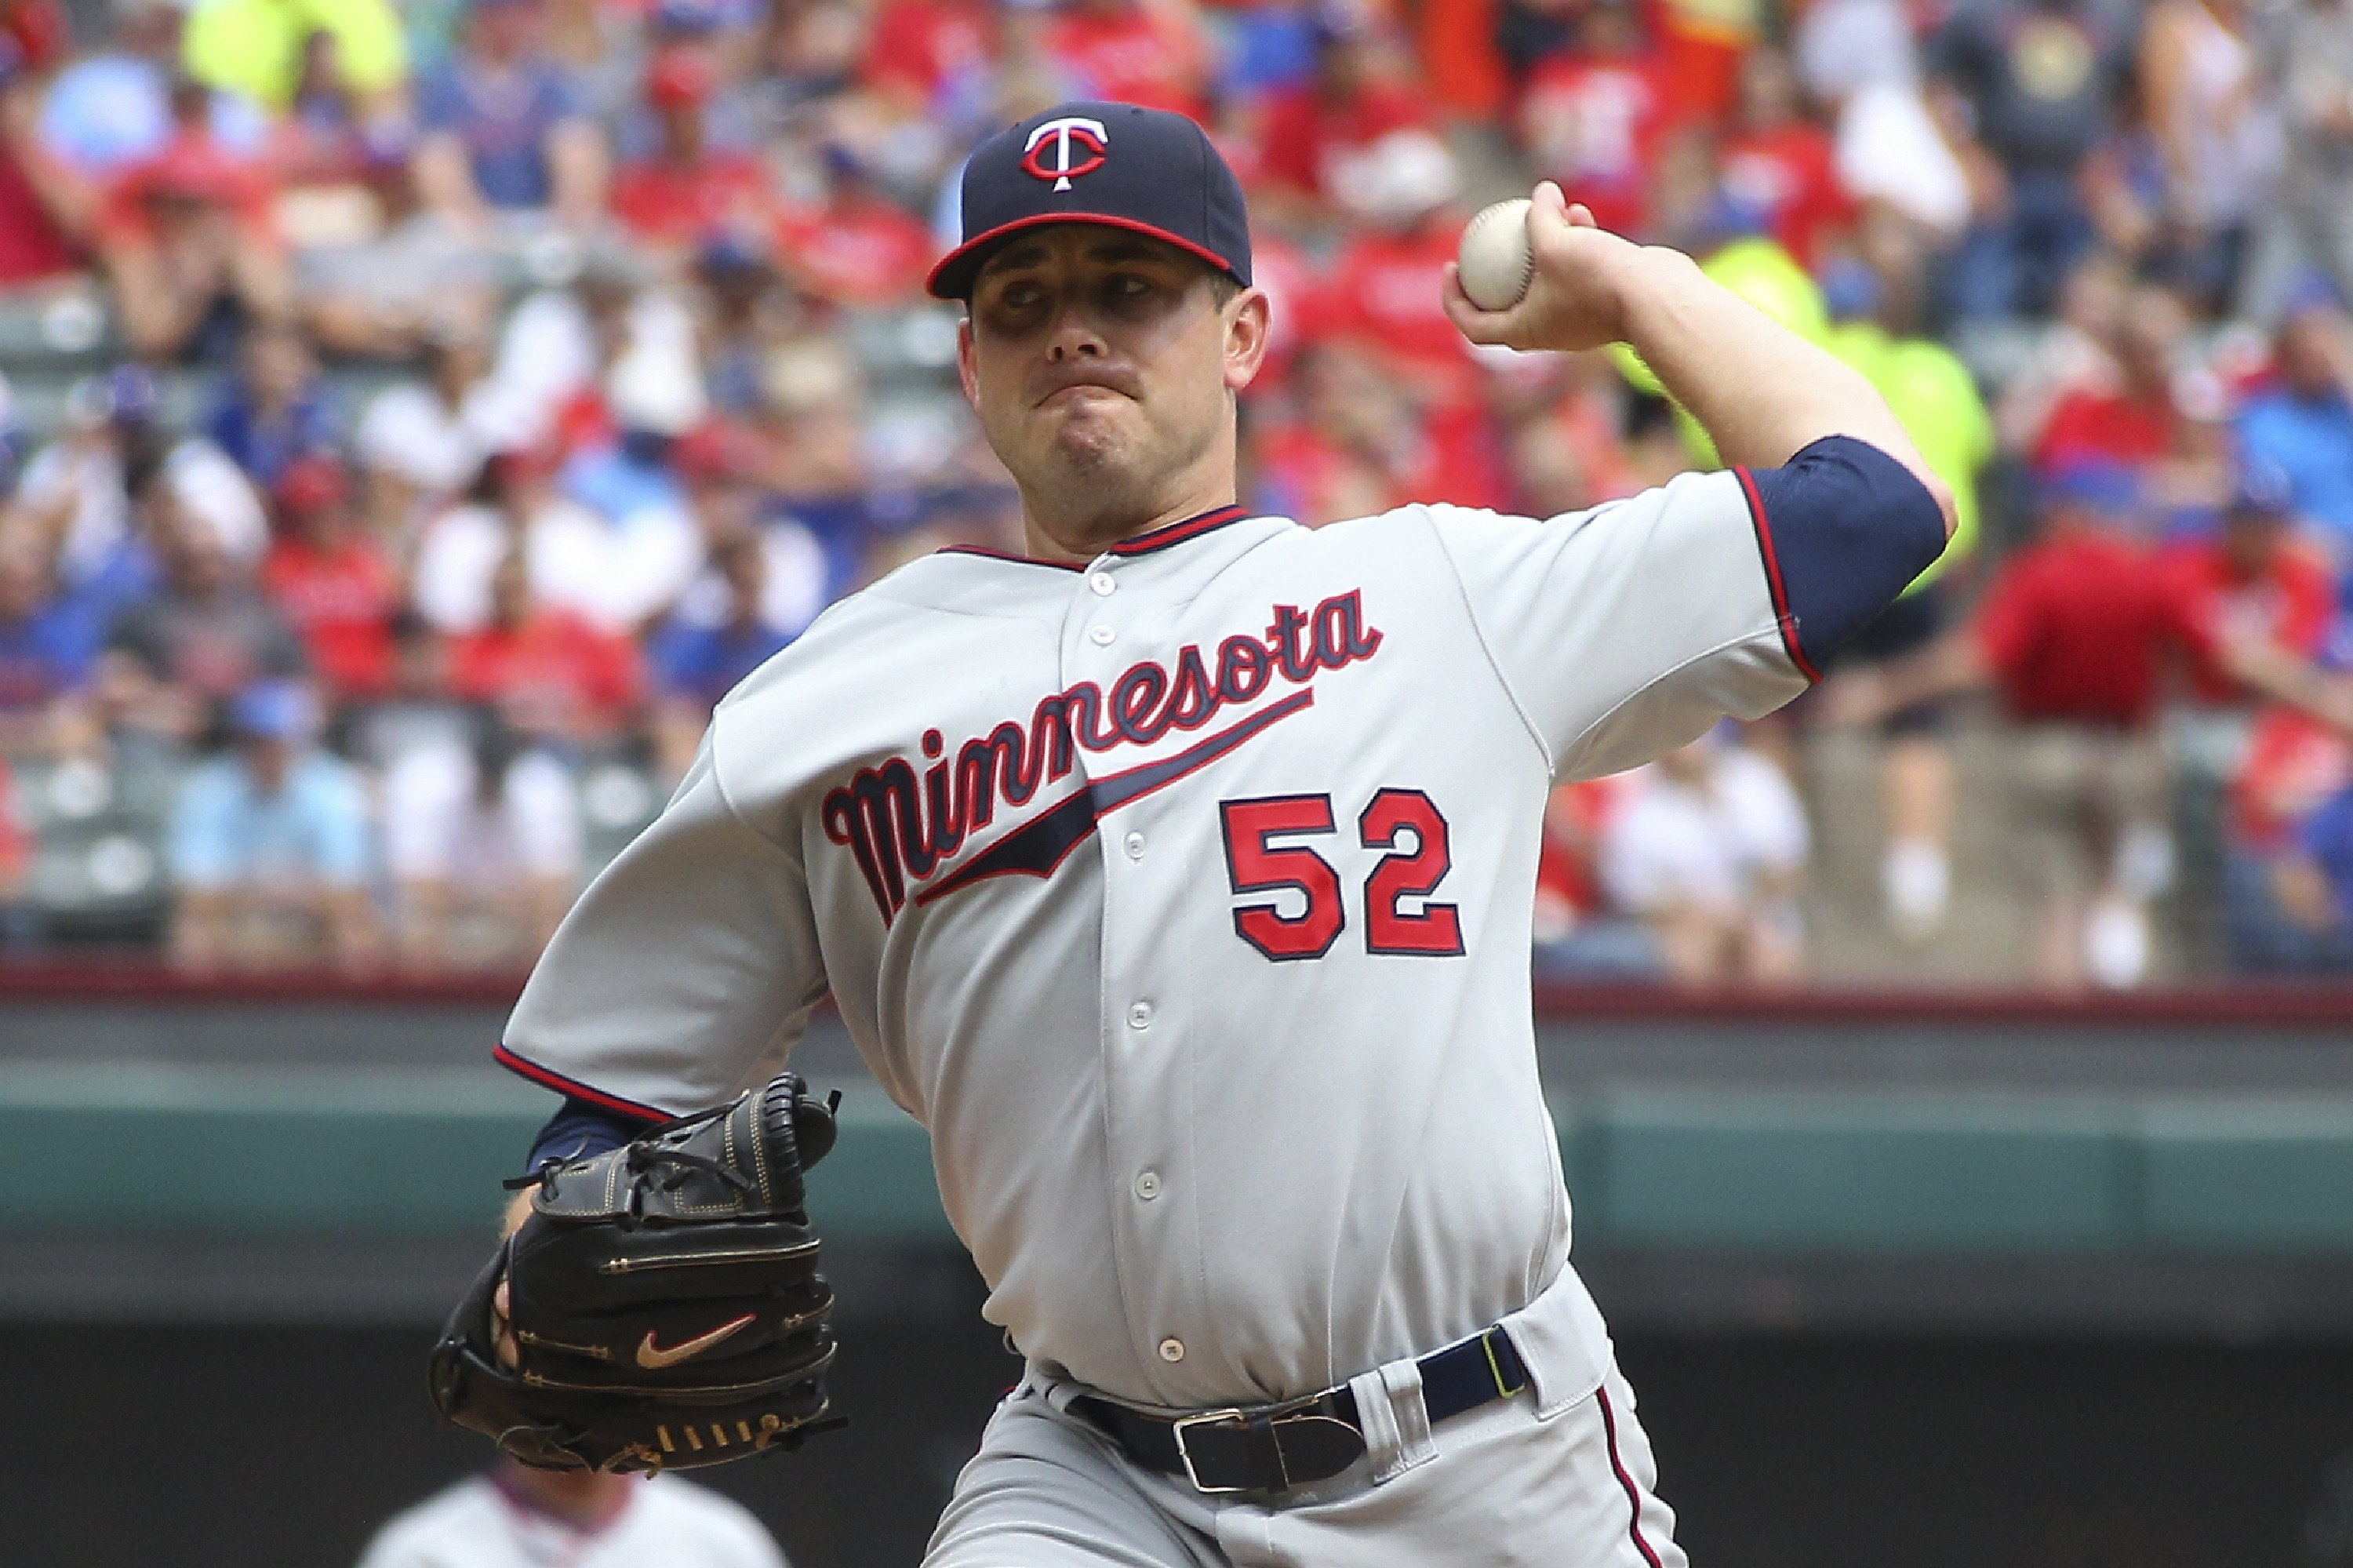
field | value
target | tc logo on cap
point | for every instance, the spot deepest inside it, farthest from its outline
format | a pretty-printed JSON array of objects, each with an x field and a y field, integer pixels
[{"x": 1048, "y": 156}]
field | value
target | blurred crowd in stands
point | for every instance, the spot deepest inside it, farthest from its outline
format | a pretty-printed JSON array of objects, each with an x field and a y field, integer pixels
[{"x": 417, "y": 413}]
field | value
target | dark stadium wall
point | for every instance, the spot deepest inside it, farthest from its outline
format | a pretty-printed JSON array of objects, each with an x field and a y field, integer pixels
[{"x": 231, "y": 1447}]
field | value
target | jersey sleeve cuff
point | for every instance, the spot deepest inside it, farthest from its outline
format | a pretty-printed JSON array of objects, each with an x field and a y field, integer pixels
[
  {"x": 1843, "y": 529},
  {"x": 579, "y": 1128},
  {"x": 572, "y": 1088}
]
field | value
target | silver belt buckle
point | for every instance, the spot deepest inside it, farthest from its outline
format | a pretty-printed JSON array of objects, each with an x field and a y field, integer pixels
[{"x": 1207, "y": 1419}]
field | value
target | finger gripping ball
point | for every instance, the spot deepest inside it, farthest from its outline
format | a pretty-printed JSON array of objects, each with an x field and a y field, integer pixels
[{"x": 1496, "y": 261}]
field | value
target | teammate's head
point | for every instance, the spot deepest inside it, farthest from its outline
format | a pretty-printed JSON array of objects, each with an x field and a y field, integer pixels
[{"x": 1110, "y": 318}]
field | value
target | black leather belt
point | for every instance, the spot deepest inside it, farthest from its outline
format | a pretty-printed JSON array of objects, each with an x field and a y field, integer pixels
[{"x": 1312, "y": 1439}]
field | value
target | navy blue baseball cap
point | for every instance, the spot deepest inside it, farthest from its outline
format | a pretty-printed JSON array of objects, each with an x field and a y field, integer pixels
[{"x": 1115, "y": 164}]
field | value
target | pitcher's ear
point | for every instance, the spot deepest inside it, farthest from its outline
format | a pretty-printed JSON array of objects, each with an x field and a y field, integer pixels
[
  {"x": 1249, "y": 328},
  {"x": 967, "y": 375}
]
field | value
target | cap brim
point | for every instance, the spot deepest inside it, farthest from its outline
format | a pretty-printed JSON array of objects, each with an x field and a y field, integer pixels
[{"x": 951, "y": 278}]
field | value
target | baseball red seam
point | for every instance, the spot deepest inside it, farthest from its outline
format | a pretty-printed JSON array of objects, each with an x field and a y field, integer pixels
[
  {"x": 548, "y": 1078},
  {"x": 1764, "y": 527},
  {"x": 1633, "y": 1493}
]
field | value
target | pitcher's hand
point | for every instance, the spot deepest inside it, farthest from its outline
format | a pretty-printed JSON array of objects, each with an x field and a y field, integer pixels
[
  {"x": 518, "y": 1211},
  {"x": 1576, "y": 297}
]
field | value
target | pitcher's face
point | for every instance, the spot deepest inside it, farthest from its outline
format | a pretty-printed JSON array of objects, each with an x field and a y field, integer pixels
[{"x": 1103, "y": 365}]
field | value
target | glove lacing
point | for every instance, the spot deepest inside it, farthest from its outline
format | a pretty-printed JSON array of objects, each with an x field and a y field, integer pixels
[
  {"x": 645, "y": 1155},
  {"x": 644, "y": 1159}
]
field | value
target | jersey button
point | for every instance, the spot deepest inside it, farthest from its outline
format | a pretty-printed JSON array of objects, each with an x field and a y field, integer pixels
[
  {"x": 1101, "y": 636},
  {"x": 1134, "y": 845},
  {"x": 1172, "y": 1348},
  {"x": 1103, "y": 583},
  {"x": 1148, "y": 1186},
  {"x": 1139, "y": 1016}
]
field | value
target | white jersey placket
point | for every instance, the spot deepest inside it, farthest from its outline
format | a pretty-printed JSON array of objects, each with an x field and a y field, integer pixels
[{"x": 1147, "y": 1061}]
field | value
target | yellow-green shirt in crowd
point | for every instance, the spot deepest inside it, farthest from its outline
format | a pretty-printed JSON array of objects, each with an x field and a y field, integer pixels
[
  {"x": 1761, "y": 272},
  {"x": 1927, "y": 387},
  {"x": 1934, "y": 399},
  {"x": 255, "y": 47}
]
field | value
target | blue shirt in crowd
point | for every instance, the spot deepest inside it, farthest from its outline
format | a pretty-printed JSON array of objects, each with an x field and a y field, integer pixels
[
  {"x": 47, "y": 653},
  {"x": 705, "y": 662},
  {"x": 314, "y": 829},
  {"x": 127, "y": 576},
  {"x": 110, "y": 109},
  {"x": 2312, "y": 441},
  {"x": 264, "y": 448},
  {"x": 504, "y": 120},
  {"x": 618, "y": 481},
  {"x": 2328, "y": 839}
]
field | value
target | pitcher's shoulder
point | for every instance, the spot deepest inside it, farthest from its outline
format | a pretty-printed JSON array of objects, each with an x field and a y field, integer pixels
[{"x": 1398, "y": 529}]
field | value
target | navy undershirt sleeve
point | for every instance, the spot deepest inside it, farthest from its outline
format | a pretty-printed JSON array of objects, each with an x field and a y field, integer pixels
[
  {"x": 1845, "y": 528},
  {"x": 582, "y": 1128}
]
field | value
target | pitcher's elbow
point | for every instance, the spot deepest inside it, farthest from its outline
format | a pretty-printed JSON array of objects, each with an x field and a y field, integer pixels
[{"x": 1947, "y": 505}]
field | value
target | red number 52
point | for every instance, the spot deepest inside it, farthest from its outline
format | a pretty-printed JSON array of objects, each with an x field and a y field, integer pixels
[{"x": 1403, "y": 822}]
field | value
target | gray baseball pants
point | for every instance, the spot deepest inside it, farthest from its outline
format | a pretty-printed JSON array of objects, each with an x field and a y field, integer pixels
[{"x": 1517, "y": 1483}]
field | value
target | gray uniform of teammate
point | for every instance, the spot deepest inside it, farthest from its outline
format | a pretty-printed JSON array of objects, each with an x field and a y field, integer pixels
[{"x": 1184, "y": 896}]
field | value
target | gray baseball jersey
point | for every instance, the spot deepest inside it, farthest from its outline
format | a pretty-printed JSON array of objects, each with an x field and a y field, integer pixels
[{"x": 1185, "y": 898}]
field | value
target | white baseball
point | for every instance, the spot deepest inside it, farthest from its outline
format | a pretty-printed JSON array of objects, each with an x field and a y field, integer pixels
[{"x": 1494, "y": 260}]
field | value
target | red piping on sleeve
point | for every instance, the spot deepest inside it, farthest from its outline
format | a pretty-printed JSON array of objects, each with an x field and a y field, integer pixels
[
  {"x": 548, "y": 1079},
  {"x": 1633, "y": 1493},
  {"x": 1764, "y": 527}
]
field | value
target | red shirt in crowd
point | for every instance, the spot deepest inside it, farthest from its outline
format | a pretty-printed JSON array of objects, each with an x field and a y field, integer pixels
[
  {"x": 2075, "y": 627},
  {"x": 1791, "y": 174},
  {"x": 192, "y": 167},
  {"x": 670, "y": 203},
  {"x": 36, "y": 33},
  {"x": 1293, "y": 285},
  {"x": 856, "y": 250},
  {"x": 33, "y": 245},
  {"x": 2292, "y": 765},
  {"x": 1704, "y": 43},
  {"x": 1306, "y": 138},
  {"x": 17, "y": 835},
  {"x": 2290, "y": 601},
  {"x": 1129, "y": 56},
  {"x": 918, "y": 46},
  {"x": 340, "y": 601},
  {"x": 1315, "y": 480},
  {"x": 1593, "y": 124},
  {"x": 1386, "y": 292},
  {"x": 1451, "y": 456},
  {"x": 1568, "y": 882},
  {"x": 2093, "y": 427},
  {"x": 1586, "y": 425},
  {"x": 553, "y": 674}
]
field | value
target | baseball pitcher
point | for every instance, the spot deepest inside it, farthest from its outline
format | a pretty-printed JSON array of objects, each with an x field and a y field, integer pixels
[{"x": 1177, "y": 874}]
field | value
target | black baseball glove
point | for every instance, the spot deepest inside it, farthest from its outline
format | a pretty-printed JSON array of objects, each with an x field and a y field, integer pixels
[{"x": 663, "y": 1297}]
